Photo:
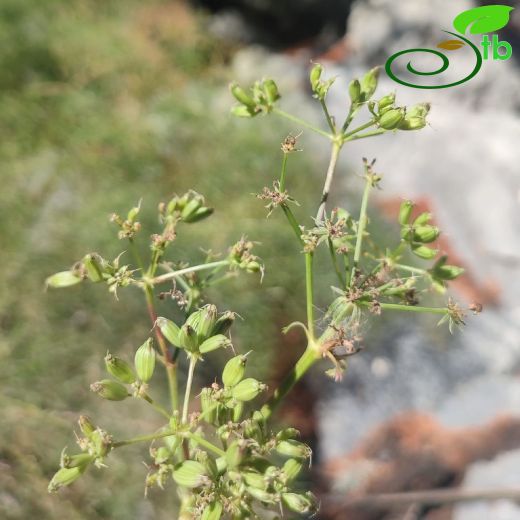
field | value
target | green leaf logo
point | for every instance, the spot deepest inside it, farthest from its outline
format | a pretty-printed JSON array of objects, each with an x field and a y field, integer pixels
[{"x": 485, "y": 19}]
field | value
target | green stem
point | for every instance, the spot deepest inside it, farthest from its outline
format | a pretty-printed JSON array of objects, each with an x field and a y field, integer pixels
[
  {"x": 136, "y": 254},
  {"x": 409, "y": 269},
  {"x": 351, "y": 113},
  {"x": 336, "y": 147},
  {"x": 143, "y": 438},
  {"x": 335, "y": 263},
  {"x": 346, "y": 263},
  {"x": 301, "y": 122},
  {"x": 156, "y": 255},
  {"x": 293, "y": 222},
  {"x": 205, "y": 443},
  {"x": 174, "y": 274},
  {"x": 170, "y": 366},
  {"x": 283, "y": 173},
  {"x": 189, "y": 382},
  {"x": 157, "y": 407},
  {"x": 358, "y": 129},
  {"x": 374, "y": 133},
  {"x": 330, "y": 121},
  {"x": 408, "y": 308},
  {"x": 309, "y": 281},
  {"x": 306, "y": 361},
  {"x": 362, "y": 222},
  {"x": 286, "y": 209}
]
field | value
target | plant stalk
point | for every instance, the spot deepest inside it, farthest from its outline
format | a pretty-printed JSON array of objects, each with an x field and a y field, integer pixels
[
  {"x": 408, "y": 308},
  {"x": 336, "y": 147},
  {"x": 189, "y": 382},
  {"x": 170, "y": 366},
  {"x": 174, "y": 274},
  {"x": 362, "y": 223},
  {"x": 301, "y": 122},
  {"x": 306, "y": 361}
]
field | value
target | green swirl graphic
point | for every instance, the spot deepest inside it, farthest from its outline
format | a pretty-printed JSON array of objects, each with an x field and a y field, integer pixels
[{"x": 442, "y": 68}]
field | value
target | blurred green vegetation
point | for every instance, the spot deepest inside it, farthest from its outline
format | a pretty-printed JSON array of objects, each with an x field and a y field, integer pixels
[{"x": 103, "y": 102}]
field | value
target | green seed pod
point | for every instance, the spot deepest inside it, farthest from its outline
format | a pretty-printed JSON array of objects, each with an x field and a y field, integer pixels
[
  {"x": 188, "y": 338},
  {"x": 292, "y": 448},
  {"x": 407, "y": 233},
  {"x": 241, "y": 96},
  {"x": 212, "y": 512},
  {"x": 161, "y": 455},
  {"x": 405, "y": 212},
  {"x": 247, "y": 389},
  {"x": 292, "y": 469},
  {"x": 426, "y": 234},
  {"x": 386, "y": 101},
  {"x": 145, "y": 361},
  {"x": 208, "y": 318},
  {"x": 190, "y": 474},
  {"x": 299, "y": 503},
  {"x": 261, "y": 495},
  {"x": 214, "y": 343},
  {"x": 169, "y": 330},
  {"x": 234, "y": 371},
  {"x": 421, "y": 110},
  {"x": 198, "y": 215},
  {"x": 223, "y": 323},
  {"x": 354, "y": 90},
  {"x": 238, "y": 410},
  {"x": 287, "y": 434},
  {"x": 236, "y": 453},
  {"x": 65, "y": 477},
  {"x": 369, "y": 83},
  {"x": 109, "y": 389},
  {"x": 424, "y": 252},
  {"x": 242, "y": 111},
  {"x": 422, "y": 219},
  {"x": 253, "y": 267},
  {"x": 173, "y": 205},
  {"x": 221, "y": 465},
  {"x": 390, "y": 120},
  {"x": 448, "y": 272},
  {"x": 102, "y": 442},
  {"x": 193, "y": 319},
  {"x": 119, "y": 369},
  {"x": 255, "y": 480},
  {"x": 271, "y": 91},
  {"x": 315, "y": 75},
  {"x": 412, "y": 123},
  {"x": 86, "y": 426},
  {"x": 62, "y": 279},
  {"x": 81, "y": 460},
  {"x": 191, "y": 207},
  {"x": 208, "y": 405},
  {"x": 93, "y": 267},
  {"x": 254, "y": 430},
  {"x": 133, "y": 212}
]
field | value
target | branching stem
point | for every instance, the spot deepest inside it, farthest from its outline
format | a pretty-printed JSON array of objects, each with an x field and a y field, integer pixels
[
  {"x": 301, "y": 122},
  {"x": 362, "y": 222},
  {"x": 175, "y": 274},
  {"x": 336, "y": 147},
  {"x": 189, "y": 382}
]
